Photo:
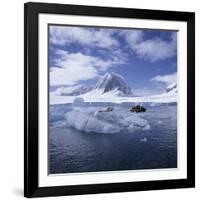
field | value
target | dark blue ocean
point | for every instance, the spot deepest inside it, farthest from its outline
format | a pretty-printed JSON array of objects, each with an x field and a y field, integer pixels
[{"x": 72, "y": 151}]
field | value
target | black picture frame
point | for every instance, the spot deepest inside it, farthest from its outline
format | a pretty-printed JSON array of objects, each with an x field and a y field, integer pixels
[{"x": 31, "y": 170}]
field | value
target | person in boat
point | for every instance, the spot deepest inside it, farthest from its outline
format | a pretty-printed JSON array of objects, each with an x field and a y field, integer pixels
[{"x": 138, "y": 108}]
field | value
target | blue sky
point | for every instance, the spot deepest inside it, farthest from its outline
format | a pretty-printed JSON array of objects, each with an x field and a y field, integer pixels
[{"x": 147, "y": 59}]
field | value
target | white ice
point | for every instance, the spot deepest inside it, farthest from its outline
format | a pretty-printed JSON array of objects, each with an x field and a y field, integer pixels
[
  {"x": 97, "y": 96},
  {"x": 78, "y": 102},
  {"x": 89, "y": 123},
  {"x": 89, "y": 119}
]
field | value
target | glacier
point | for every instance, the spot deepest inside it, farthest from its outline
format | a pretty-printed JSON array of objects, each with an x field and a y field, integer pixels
[
  {"x": 96, "y": 96},
  {"x": 172, "y": 88},
  {"x": 110, "y": 88}
]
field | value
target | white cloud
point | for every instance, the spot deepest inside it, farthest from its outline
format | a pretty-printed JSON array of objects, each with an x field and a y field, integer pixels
[
  {"x": 132, "y": 37},
  {"x": 60, "y": 76},
  {"x": 154, "y": 49},
  {"x": 165, "y": 79},
  {"x": 74, "y": 67},
  {"x": 62, "y": 35}
]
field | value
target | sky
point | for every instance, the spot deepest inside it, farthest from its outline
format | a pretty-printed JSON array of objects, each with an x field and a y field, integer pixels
[{"x": 147, "y": 59}]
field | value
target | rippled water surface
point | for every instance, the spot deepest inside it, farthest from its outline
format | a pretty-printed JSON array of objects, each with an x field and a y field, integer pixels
[{"x": 71, "y": 150}]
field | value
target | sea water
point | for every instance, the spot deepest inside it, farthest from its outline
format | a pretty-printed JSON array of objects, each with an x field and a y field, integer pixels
[{"x": 75, "y": 151}]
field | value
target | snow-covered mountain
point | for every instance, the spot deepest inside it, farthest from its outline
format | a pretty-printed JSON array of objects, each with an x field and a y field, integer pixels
[
  {"x": 73, "y": 90},
  {"x": 110, "y": 83},
  {"x": 110, "y": 88},
  {"x": 113, "y": 82},
  {"x": 172, "y": 88}
]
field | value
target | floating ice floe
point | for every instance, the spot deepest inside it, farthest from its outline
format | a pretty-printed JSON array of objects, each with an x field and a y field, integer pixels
[{"x": 89, "y": 119}]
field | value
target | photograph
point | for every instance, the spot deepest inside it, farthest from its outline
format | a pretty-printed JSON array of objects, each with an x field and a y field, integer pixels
[
  {"x": 112, "y": 99},
  {"x": 109, "y": 99}
]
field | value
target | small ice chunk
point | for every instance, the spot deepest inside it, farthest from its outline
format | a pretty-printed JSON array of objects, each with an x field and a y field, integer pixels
[
  {"x": 135, "y": 120},
  {"x": 78, "y": 102},
  {"x": 143, "y": 140},
  {"x": 147, "y": 127},
  {"x": 106, "y": 109},
  {"x": 159, "y": 122},
  {"x": 132, "y": 128}
]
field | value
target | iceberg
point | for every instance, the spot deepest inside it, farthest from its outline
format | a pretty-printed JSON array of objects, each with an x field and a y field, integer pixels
[
  {"x": 88, "y": 123},
  {"x": 91, "y": 119}
]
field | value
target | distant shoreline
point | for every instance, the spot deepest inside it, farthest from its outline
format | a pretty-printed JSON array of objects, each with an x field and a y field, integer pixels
[{"x": 58, "y": 100}]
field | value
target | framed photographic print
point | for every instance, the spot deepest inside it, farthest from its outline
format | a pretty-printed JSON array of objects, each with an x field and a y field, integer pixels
[{"x": 109, "y": 99}]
